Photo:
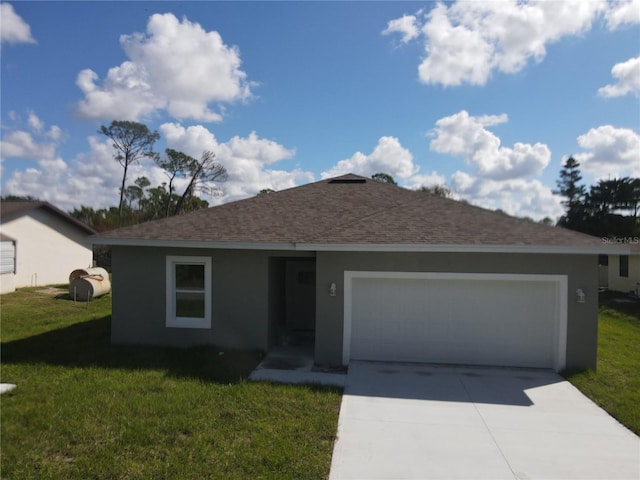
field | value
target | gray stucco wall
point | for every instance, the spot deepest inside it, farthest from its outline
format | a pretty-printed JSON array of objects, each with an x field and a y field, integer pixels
[
  {"x": 582, "y": 272},
  {"x": 240, "y": 298},
  {"x": 245, "y": 312}
]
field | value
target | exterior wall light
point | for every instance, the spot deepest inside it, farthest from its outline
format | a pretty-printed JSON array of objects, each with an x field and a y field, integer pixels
[
  {"x": 332, "y": 289},
  {"x": 580, "y": 295}
]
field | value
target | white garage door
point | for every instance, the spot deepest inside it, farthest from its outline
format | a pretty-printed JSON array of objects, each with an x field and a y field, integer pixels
[{"x": 478, "y": 319}]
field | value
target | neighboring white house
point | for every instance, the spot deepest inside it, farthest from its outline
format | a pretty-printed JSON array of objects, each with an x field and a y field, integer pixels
[
  {"x": 40, "y": 245},
  {"x": 624, "y": 271},
  {"x": 7, "y": 263}
]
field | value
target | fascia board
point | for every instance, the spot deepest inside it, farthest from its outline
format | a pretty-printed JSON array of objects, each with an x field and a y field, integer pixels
[
  {"x": 190, "y": 244},
  {"x": 469, "y": 248},
  {"x": 391, "y": 248}
]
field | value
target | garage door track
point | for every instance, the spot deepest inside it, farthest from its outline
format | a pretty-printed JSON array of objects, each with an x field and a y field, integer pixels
[{"x": 412, "y": 421}]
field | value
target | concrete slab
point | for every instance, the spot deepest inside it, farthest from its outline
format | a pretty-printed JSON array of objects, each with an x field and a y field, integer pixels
[
  {"x": 295, "y": 366},
  {"x": 409, "y": 421},
  {"x": 298, "y": 377},
  {"x": 6, "y": 387}
]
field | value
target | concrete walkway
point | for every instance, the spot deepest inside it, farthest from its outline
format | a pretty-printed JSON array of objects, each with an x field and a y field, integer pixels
[
  {"x": 409, "y": 421},
  {"x": 295, "y": 365}
]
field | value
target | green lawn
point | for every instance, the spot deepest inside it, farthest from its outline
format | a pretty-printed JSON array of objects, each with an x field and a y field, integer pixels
[
  {"x": 615, "y": 385},
  {"x": 85, "y": 409}
]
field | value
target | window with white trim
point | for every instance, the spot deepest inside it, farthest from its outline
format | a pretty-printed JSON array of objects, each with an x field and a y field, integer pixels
[{"x": 188, "y": 292}]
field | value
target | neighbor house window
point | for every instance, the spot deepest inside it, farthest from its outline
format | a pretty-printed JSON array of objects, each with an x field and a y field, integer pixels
[
  {"x": 188, "y": 292},
  {"x": 624, "y": 265}
]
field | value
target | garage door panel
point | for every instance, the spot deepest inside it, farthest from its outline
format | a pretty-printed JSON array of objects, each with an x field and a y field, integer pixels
[{"x": 492, "y": 322}]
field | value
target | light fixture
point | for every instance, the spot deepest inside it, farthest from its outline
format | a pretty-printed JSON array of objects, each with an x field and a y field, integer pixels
[
  {"x": 580, "y": 295},
  {"x": 332, "y": 289}
]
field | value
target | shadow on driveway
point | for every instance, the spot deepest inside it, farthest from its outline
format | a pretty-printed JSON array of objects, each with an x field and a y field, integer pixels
[
  {"x": 448, "y": 383},
  {"x": 427, "y": 421}
]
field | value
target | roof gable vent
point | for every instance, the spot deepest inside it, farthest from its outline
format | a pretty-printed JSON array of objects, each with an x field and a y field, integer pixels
[{"x": 348, "y": 180}]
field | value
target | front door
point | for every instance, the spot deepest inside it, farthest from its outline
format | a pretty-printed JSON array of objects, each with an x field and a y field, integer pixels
[{"x": 300, "y": 294}]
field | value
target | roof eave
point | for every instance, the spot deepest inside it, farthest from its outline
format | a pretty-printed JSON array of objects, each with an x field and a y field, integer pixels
[
  {"x": 469, "y": 248},
  {"x": 160, "y": 243},
  {"x": 369, "y": 247},
  {"x": 52, "y": 209}
]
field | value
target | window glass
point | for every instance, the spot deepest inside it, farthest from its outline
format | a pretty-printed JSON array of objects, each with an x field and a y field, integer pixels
[
  {"x": 189, "y": 276},
  {"x": 624, "y": 265},
  {"x": 190, "y": 304}
]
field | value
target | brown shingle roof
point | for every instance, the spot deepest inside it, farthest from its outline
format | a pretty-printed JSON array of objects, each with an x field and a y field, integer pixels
[
  {"x": 11, "y": 209},
  {"x": 349, "y": 210}
]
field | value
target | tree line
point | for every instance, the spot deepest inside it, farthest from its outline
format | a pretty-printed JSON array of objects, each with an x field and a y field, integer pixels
[
  {"x": 608, "y": 208},
  {"x": 140, "y": 201}
]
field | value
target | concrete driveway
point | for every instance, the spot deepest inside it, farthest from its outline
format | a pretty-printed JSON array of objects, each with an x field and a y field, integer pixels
[{"x": 411, "y": 421}]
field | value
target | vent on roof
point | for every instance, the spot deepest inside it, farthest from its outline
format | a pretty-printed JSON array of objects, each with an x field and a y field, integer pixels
[{"x": 348, "y": 180}]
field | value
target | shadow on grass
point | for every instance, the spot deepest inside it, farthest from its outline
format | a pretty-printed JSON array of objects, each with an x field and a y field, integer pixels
[
  {"x": 87, "y": 344},
  {"x": 621, "y": 302}
]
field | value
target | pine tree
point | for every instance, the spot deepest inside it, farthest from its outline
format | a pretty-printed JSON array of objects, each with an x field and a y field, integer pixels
[{"x": 568, "y": 187}]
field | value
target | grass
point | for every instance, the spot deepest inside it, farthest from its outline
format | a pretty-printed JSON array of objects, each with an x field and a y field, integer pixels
[
  {"x": 85, "y": 409},
  {"x": 615, "y": 385}
]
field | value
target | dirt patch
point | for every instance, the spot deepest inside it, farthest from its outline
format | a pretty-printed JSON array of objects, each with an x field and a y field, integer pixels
[
  {"x": 52, "y": 291},
  {"x": 283, "y": 363}
]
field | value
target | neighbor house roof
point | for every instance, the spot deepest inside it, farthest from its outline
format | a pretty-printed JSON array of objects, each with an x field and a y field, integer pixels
[
  {"x": 354, "y": 213},
  {"x": 6, "y": 238},
  {"x": 11, "y": 209}
]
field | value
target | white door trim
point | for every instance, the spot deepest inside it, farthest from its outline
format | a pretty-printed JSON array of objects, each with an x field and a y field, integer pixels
[{"x": 560, "y": 281}]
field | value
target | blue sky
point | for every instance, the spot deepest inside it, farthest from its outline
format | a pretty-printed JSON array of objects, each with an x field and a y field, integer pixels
[{"x": 488, "y": 98}]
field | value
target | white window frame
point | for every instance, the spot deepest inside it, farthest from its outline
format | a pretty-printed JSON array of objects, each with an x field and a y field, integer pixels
[{"x": 172, "y": 321}]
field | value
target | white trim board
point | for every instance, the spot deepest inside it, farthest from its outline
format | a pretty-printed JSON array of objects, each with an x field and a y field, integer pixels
[
  {"x": 561, "y": 288},
  {"x": 171, "y": 320}
]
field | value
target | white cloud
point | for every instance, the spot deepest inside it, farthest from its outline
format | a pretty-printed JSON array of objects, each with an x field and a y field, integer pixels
[
  {"x": 54, "y": 133},
  {"x": 34, "y": 144},
  {"x": 191, "y": 140},
  {"x": 519, "y": 197},
  {"x": 176, "y": 66},
  {"x": 627, "y": 75},
  {"x": 464, "y": 135},
  {"x": 612, "y": 152},
  {"x": 406, "y": 25},
  {"x": 502, "y": 176},
  {"x": 100, "y": 165},
  {"x": 35, "y": 123},
  {"x": 622, "y": 12},
  {"x": 248, "y": 160},
  {"x": 426, "y": 180},
  {"x": 462, "y": 181},
  {"x": 122, "y": 95},
  {"x": 13, "y": 29},
  {"x": 466, "y": 41},
  {"x": 455, "y": 54},
  {"x": 389, "y": 156},
  {"x": 21, "y": 144},
  {"x": 92, "y": 178}
]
